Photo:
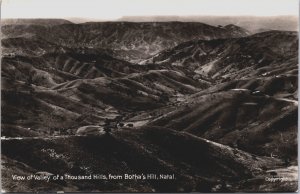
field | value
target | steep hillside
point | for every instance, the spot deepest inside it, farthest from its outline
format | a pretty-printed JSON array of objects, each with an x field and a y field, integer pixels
[
  {"x": 54, "y": 66},
  {"x": 258, "y": 124},
  {"x": 235, "y": 58}
]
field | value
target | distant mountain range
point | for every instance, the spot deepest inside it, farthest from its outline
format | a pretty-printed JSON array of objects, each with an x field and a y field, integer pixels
[
  {"x": 45, "y": 22},
  {"x": 253, "y": 24},
  {"x": 129, "y": 40}
]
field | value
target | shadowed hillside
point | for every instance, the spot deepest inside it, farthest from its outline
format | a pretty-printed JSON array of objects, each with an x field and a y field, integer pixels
[{"x": 145, "y": 150}]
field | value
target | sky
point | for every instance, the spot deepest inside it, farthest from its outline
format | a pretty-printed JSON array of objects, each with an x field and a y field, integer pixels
[{"x": 114, "y": 9}]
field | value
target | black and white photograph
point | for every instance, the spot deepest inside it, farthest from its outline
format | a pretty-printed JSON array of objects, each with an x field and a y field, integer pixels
[{"x": 149, "y": 96}]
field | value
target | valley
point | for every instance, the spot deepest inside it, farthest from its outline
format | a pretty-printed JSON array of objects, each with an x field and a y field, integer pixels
[{"x": 217, "y": 107}]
